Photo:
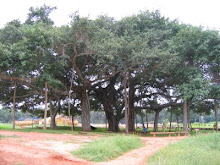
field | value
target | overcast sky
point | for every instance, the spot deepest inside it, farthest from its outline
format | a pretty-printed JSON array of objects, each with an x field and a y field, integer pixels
[{"x": 195, "y": 12}]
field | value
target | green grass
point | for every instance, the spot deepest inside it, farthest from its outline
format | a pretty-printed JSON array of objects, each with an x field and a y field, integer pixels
[
  {"x": 108, "y": 148},
  {"x": 100, "y": 131},
  {"x": 195, "y": 150},
  {"x": 5, "y": 126},
  {"x": 13, "y": 136},
  {"x": 59, "y": 130}
]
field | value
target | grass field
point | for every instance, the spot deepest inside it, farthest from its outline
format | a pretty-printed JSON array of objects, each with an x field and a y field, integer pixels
[
  {"x": 59, "y": 130},
  {"x": 108, "y": 148},
  {"x": 101, "y": 131},
  {"x": 195, "y": 150}
]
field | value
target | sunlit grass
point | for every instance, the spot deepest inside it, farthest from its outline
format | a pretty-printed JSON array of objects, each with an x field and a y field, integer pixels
[
  {"x": 108, "y": 148},
  {"x": 195, "y": 150}
]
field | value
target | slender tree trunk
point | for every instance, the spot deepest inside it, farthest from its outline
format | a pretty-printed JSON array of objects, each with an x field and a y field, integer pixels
[
  {"x": 135, "y": 121},
  {"x": 147, "y": 118},
  {"x": 177, "y": 121},
  {"x": 73, "y": 127},
  {"x": 142, "y": 120},
  {"x": 171, "y": 116},
  {"x": 69, "y": 109},
  {"x": 185, "y": 129},
  {"x": 45, "y": 110},
  {"x": 125, "y": 82},
  {"x": 14, "y": 96},
  {"x": 52, "y": 121},
  {"x": 131, "y": 121},
  {"x": 216, "y": 113},
  {"x": 85, "y": 110},
  {"x": 156, "y": 120},
  {"x": 189, "y": 118}
]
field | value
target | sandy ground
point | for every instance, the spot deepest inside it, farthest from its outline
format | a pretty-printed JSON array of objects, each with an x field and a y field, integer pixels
[{"x": 55, "y": 149}]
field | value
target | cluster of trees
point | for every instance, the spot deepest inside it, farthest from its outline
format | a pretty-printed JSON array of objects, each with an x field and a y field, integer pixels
[
  {"x": 141, "y": 62},
  {"x": 6, "y": 117}
]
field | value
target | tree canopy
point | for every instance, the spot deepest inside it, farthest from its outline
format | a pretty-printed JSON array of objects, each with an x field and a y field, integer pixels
[{"x": 143, "y": 61}]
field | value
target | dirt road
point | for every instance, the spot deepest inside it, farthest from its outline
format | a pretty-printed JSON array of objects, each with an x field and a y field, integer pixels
[{"x": 54, "y": 149}]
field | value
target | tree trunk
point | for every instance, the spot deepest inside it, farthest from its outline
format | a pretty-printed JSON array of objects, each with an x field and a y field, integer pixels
[
  {"x": 112, "y": 118},
  {"x": 70, "y": 91},
  {"x": 216, "y": 113},
  {"x": 126, "y": 102},
  {"x": 14, "y": 96},
  {"x": 156, "y": 120},
  {"x": 53, "y": 114},
  {"x": 113, "y": 124},
  {"x": 142, "y": 119},
  {"x": 85, "y": 110},
  {"x": 45, "y": 110},
  {"x": 131, "y": 121},
  {"x": 108, "y": 98},
  {"x": 53, "y": 122},
  {"x": 188, "y": 117},
  {"x": 177, "y": 121},
  {"x": 73, "y": 127},
  {"x": 185, "y": 129},
  {"x": 171, "y": 116},
  {"x": 147, "y": 118}
]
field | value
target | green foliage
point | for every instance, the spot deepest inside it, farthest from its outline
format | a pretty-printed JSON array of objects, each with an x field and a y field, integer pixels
[
  {"x": 196, "y": 88},
  {"x": 201, "y": 150},
  {"x": 108, "y": 148},
  {"x": 40, "y": 14},
  {"x": 214, "y": 125},
  {"x": 159, "y": 56}
]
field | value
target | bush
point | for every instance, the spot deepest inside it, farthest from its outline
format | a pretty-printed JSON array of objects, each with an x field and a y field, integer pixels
[{"x": 214, "y": 125}]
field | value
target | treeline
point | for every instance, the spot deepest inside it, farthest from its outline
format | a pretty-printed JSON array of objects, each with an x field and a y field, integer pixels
[{"x": 143, "y": 62}]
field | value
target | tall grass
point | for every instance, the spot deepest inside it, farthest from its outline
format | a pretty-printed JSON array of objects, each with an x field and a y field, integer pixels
[
  {"x": 108, "y": 148},
  {"x": 196, "y": 150}
]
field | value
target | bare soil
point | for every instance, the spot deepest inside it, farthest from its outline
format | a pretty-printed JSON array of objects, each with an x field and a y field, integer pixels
[{"x": 22, "y": 148}]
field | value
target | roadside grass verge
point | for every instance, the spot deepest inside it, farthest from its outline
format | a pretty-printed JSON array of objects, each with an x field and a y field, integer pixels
[
  {"x": 108, "y": 148},
  {"x": 195, "y": 150}
]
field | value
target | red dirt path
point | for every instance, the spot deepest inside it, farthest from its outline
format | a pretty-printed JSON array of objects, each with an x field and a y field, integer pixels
[{"x": 54, "y": 149}]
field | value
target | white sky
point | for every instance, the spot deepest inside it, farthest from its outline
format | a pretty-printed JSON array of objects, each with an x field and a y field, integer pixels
[{"x": 196, "y": 12}]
